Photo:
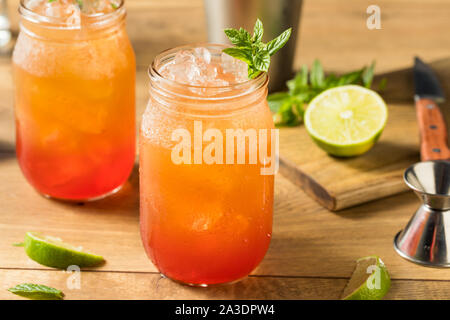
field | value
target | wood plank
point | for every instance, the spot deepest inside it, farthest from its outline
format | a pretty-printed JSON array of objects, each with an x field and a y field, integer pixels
[{"x": 112, "y": 286}]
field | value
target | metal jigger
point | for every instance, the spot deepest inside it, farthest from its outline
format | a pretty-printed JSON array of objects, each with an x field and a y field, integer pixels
[{"x": 426, "y": 238}]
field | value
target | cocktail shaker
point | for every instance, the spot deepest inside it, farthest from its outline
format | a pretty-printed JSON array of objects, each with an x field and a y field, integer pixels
[{"x": 276, "y": 15}]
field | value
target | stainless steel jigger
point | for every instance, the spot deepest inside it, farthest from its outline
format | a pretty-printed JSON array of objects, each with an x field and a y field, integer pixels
[{"x": 426, "y": 238}]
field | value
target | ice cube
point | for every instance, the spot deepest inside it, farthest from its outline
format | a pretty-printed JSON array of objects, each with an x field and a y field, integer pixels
[
  {"x": 68, "y": 11},
  {"x": 52, "y": 9},
  {"x": 184, "y": 56},
  {"x": 184, "y": 69},
  {"x": 203, "y": 55},
  {"x": 73, "y": 16},
  {"x": 210, "y": 72},
  {"x": 198, "y": 67},
  {"x": 98, "y": 6},
  {"x": 234, "y": 66},
  {"x": 33, "y": 4}
]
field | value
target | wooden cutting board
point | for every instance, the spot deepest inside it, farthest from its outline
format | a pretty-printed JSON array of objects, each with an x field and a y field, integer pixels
[{"x": 338, "y": 183}]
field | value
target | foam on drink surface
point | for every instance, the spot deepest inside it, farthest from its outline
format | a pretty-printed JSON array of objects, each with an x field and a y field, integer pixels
[{"x": 199, "y": 67}]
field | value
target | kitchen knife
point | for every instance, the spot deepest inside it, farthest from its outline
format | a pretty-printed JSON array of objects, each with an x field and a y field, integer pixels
[{"x": 433, "y": 131}]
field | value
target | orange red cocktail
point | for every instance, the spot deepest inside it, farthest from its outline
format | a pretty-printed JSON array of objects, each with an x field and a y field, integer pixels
[
  {"x": 74, "y": 78},
  {"x": 203, "y": 223}
]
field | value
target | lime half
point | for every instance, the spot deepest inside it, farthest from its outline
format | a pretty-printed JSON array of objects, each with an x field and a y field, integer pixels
[
  {"x": 370, "y": 280},
  {"x": 53, "y": 252},
  {"x": 346, "y": 121}
]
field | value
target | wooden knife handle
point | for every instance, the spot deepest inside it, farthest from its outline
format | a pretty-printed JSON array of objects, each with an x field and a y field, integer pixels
[{"x": 433, "y": 131}]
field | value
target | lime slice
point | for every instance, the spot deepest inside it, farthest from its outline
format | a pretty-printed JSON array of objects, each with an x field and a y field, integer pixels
[
  {"x": 346, "y": 121},
  {"x": 52, "y": 252},
  {"x": 370, "y": 280}
]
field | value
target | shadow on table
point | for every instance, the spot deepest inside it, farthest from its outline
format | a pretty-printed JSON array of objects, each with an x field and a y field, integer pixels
[
  {"x": 124, "y": 202},
  {"x": 7, "y": 150},
  {"x": 367, "y": 210},
  {"x": 400, "y": 84},
  {"x": 381, "y": 150},
  {"x": 254, "y": 287}
]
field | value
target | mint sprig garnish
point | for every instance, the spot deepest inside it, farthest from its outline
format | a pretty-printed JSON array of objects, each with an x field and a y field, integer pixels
[
  {"x": 37, "y": 292},
  {"x": 251, "y": 49},
  {"x": 289, "y": 107}
]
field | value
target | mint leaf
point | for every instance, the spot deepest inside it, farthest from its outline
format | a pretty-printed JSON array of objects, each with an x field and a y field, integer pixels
[
  {"x": 37, "y": 292},
  {"x": 276, "y": 44},
  {"x": 349, "y": 78},
  {"x": 239, "y": 53},
  {"x": 252, "y": 50},
  {"x": 253, "y": 73},
  {"x": 261, "y": 60},
  {"x": 367, "y": 75},
  {"x": 382, "y": 84},
  {"x": 303, "y": 76},
  {"x": 258, "y": 31},
  {"x": 276, "y": 100},
  {"x": 234, "y": 36},
  {"x": 299, "y": 82},
  {"x": 240, "y": 38},
  {"x": 317, "y": 76}
]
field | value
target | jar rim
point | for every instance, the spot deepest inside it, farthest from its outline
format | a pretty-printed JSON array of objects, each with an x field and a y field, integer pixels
[
  {"x": 251, "y": 84},
  {"x": 95, "y": 20}
]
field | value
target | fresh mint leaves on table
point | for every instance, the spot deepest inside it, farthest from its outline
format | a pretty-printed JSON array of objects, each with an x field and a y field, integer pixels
[
  {"x": 252, "y": 50},
  {"x": 289, "y": 107},
  {"x": 37, "y": 292}
]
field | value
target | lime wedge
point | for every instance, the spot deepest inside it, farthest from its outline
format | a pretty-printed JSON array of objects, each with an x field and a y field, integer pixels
[
  {"x": 52, "y": 252},
  {"x": 346, "y": 121},
  {"x": 37, "y": 292},
  {"x": 370, "y": 280}
]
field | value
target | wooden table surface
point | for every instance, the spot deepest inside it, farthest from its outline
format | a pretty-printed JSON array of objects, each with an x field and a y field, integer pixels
[{"x": 313, "y": 250}]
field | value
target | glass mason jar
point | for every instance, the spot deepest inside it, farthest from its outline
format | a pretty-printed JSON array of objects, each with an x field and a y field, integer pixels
[
  {"x": 74, "y": 101},
  {"x": 206, "y": 216}
]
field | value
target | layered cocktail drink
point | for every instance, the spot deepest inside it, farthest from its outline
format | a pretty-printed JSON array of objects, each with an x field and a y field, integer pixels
[
  {"x": 74, "y": 72},
  {"x": 206, "y": 153}
]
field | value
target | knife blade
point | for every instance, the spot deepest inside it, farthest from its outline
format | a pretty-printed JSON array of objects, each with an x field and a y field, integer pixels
[
  {"x": 433, "y": 130},
  {"x": 426, "y": 83}
]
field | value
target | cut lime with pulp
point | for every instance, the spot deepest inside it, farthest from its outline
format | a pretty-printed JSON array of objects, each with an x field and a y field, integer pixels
[
  {"x": 346, "y": 121},
  {"x": 53, "y": 252},
  {"x": 370, "y": 280}
]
